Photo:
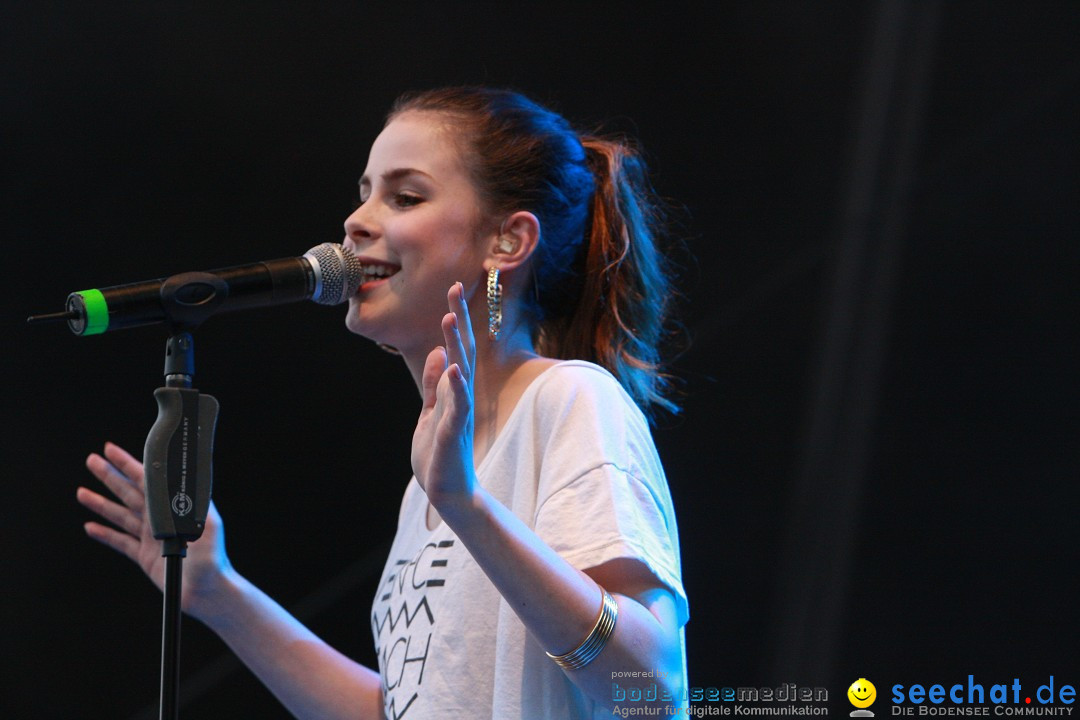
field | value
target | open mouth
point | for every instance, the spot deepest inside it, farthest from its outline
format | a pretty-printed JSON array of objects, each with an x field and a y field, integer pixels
[{"x": 375, "y": 270}]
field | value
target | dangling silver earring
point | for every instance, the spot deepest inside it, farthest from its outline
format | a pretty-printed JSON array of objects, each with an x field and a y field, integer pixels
[{"x": 494, "y": 303}]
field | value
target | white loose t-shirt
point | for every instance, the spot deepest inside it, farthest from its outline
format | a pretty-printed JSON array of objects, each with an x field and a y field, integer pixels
[{"x": 577, "y": 464}]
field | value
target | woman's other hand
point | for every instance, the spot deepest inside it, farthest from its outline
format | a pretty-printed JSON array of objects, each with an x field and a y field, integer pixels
[{"x": 129, "y": 532}]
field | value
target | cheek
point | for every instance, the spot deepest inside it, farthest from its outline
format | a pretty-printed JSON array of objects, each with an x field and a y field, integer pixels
[{"x": 450, "y": 239}]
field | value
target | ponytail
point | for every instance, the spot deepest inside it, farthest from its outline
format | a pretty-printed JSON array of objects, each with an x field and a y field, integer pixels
[{"x": 619, "y": 318}]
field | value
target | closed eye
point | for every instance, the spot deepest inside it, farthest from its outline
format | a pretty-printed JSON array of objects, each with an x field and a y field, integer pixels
[
  {"x": 400, "y": 199},
  {"x": 407, "y": 199}
]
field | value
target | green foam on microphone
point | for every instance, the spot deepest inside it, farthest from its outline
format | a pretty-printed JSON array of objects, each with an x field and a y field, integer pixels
[{"x": 97, "y": 312}]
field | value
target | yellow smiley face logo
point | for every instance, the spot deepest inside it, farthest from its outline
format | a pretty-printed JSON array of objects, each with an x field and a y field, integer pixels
[{"x": 862, "y": 693}]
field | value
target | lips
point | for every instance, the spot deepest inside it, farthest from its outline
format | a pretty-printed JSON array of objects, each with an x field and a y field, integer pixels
[{"x": 375, "y": 271}]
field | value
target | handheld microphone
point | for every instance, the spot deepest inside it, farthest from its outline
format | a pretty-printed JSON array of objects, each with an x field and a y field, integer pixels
[{"x": 328, "y": 274}]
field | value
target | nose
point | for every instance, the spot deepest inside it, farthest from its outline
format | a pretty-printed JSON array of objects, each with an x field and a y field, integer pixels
[{"x": 359, "y": 227}]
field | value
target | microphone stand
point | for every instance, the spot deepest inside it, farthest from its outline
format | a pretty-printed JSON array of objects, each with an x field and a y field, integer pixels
[
  {"x": 179, "y": 449},
  {"x": 178, "y": 462}
]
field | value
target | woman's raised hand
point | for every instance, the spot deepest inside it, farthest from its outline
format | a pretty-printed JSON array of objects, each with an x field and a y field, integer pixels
[
  {"x": 122, "y": 474},
  {"x": 442, "y": 448}
]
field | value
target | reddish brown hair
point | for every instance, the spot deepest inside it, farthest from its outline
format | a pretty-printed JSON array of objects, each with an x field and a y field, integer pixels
[{"x": 601, "y": 285}]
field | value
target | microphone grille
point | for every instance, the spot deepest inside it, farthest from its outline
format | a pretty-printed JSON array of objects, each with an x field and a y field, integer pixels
[{"x": 338, "y": 273}]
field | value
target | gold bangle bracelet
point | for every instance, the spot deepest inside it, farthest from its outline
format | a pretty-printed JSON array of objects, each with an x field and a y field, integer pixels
[{"x": 595, "y": 641}]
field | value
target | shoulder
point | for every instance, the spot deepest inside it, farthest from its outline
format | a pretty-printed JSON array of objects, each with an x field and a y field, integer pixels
[
  {"x": 580, "y": 386},
  {"x": 579, "y": 410}
]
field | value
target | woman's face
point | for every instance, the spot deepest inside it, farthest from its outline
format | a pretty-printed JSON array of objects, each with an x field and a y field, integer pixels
[{"x": 418, "y": 226}]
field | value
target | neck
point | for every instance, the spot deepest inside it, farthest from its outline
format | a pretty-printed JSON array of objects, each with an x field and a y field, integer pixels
[
  {"x": 502, "y": 371},
  {"x": 496, "y": 362}
]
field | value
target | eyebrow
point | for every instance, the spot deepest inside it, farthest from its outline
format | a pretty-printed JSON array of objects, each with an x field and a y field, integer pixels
[{"x": 395, "y": 174}]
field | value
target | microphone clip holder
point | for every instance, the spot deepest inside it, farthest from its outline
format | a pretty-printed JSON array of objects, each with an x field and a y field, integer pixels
[
  {"x": 190, "y": 298},
  {"x": 178, "y": 456}
]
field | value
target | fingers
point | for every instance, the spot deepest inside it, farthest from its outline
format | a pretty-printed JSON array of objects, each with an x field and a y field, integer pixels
[
  {"x": 115, "y": 513},
  {"x": 457, "y": 332},
  {"x": 462, "y": 309},
  {"x": 120, "y": 484},
  {"x": 433, "y": 370},
  {"x": 459, "y": 409},
  {"x": 118, "y": 541},
  {"x": 124, "y": 462},
  {"x": 122, "y": 475}
]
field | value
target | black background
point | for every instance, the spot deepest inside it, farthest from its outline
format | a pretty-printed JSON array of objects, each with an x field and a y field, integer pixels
[{"x": 142, "y": 139}]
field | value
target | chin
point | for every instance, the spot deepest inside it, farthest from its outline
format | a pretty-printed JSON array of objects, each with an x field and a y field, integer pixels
[
  {"x": 357, "y": 322},
  {"x": 393, "y": 325},
  {"x": 358, "y": 326},
  {"x": 362, "y": 323}
]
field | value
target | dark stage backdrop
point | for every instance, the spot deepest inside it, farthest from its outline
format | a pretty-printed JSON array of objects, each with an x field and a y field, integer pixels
[{"x": 875, "y": 470}]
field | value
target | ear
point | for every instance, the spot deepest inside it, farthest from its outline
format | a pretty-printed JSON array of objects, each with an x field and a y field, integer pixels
[{"x": 515, "y": 242}]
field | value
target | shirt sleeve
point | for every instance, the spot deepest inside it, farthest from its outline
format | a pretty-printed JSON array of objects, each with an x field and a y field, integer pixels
[{"x": 608, "y": 514}]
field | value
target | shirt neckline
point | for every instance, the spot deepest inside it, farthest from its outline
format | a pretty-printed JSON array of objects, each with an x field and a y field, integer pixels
[{"x": 504, "y": 431}]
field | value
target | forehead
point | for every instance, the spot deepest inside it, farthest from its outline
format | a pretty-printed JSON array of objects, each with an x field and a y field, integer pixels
[{"x": 420, "y": 141}]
